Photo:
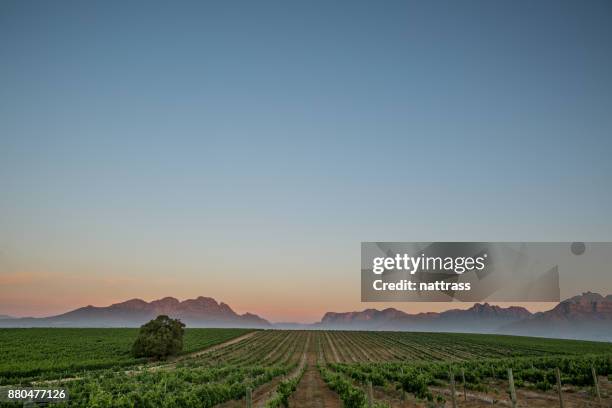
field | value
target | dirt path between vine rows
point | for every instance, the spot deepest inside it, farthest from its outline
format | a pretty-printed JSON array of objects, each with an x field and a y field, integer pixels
[
  {"x": 213, "y": 348},
  {"x": 332, "y": 346},
  {"x": 312, "y": 392},
  {"x": 260, "y": 403}
]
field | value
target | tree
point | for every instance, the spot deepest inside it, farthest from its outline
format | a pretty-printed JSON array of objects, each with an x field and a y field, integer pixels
[{"x": 160, "y": 338}]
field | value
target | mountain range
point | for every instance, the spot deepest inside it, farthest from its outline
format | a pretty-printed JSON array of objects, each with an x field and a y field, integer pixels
[
  {"x": 479, "y": 318},
  {"x": 587, "y": 316},
  {"x": 199, "y": 312}
]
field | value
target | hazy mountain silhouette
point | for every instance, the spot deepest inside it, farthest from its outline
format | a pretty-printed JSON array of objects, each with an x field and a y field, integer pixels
[
  {"x": 482, "y": 318},
  {"x": 200, "y": 312},
  {"x": 587, "y": 316}
]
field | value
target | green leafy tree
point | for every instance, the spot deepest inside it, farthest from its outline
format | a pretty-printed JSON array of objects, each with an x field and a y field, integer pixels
[{"x": 160, "y": 338}]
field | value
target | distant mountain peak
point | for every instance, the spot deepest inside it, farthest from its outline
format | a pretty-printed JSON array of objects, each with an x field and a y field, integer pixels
[
  {"x": 586, "y": 316},
  {"x": 487, "y": 309},
  {"x": 588, "y": 304},
  {"x": 587, "y": 297},
  {"x": 133, "y": 301},
  {"x": 205, "y": 299},
  {"x": 365, "y": 315},
  {"x": 168, "y": 300}
]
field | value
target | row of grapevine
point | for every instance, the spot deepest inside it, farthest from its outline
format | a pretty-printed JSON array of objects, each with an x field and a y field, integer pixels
[{"x": 530, "y": 372}]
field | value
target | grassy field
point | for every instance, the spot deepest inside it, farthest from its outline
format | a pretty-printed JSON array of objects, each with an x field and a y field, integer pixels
[{"x": 307, "y": 368}]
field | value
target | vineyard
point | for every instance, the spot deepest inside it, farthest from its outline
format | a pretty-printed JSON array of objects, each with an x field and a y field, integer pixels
[
  {"x": 48, "y": 353},
  {"x": 272, "y": 368}
]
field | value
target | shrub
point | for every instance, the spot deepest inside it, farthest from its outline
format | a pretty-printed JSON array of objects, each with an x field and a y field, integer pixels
[
  {"x": 160, "y": 338},
  {"x": 417, "y": 385}
]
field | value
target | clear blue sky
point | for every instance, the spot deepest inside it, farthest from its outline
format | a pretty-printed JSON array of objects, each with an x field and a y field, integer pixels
[{"x": 244, "y": 149}]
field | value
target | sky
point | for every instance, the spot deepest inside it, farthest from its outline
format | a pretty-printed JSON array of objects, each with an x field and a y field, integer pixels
[{"x": 243, "y": 150}]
